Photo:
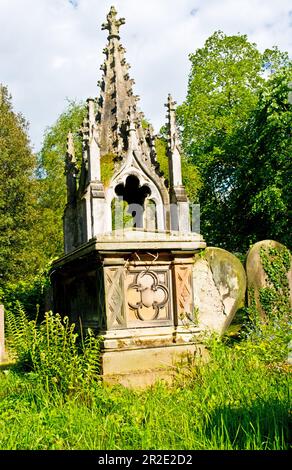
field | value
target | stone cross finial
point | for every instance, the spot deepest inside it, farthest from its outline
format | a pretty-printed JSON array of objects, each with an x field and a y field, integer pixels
[
  {"x": 113, "y": 24},
  {"x": 171, "y": 104},
  {"x": 173, "y": 145},
  {"x": 173, "y": 135}
]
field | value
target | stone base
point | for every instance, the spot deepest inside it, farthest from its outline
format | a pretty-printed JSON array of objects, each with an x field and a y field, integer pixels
[
  {"x": 135, "y": 290},
  {"x": 144, "y": 367}
]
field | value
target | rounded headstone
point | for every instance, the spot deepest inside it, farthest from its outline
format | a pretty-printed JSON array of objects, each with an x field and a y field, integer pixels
[
  {"x": 256, "y": 276},
  {"x": 219, "y": 284}
]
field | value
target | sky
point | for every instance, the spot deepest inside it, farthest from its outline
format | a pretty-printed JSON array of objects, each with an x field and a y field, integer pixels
[{"x": 51, "y": 50}]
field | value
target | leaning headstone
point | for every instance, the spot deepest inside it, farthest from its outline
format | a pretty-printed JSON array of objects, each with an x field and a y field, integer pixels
[
  {"x": 2, "y": 343},
  {"x": 219, "y": 283},
  {"x": 258, "y": 279}
]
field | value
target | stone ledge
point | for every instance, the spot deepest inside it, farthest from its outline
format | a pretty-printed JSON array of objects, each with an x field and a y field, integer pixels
[{"x": 157, "y": 360}]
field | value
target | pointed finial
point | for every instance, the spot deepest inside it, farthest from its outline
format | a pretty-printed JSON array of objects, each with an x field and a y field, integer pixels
[
  {"x": 132, "y": 119},
  {"x": 173, "y": 135},
  {"x": 70, "y": 146},
  {"x": 171, "y": 104},
  {"x": 113, "y": 24},
  {"x": 70, "y": 160}
]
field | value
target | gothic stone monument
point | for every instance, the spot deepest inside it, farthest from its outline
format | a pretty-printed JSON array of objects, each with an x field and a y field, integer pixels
[{"x": 132, "y": 284}]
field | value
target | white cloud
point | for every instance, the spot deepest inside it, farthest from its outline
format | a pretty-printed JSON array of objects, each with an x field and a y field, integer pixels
[{"x": 52, "y": 49}]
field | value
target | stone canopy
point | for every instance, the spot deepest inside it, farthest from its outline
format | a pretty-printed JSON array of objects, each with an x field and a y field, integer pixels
[{"x": 115, "y": 131}]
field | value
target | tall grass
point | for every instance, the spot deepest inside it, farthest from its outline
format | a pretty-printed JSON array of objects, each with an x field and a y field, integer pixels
[{"x": 240, "y": 399}]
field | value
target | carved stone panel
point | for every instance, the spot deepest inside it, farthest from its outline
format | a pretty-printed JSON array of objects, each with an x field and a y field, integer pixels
[
  {"x": 148, "y": 296},
  {"x": 183, "y": 291},
  {"x": 114, "y": 291}
]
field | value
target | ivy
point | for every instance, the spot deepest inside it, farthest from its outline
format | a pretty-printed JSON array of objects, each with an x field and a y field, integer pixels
[{"x": 275, "y": 297}]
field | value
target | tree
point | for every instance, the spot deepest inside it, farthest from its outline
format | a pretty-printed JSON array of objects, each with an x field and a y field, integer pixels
[
  {"x": 261, "y": 197},
  {"x": 19, "y": 255},
  {"x": 226, "y": 80},
  {"x": 190, "y": 174},
  {"x": 52, "y": 181}
]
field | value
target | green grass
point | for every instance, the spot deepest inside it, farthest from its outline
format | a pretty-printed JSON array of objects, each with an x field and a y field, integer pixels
[{"x": 239, "y": 400}]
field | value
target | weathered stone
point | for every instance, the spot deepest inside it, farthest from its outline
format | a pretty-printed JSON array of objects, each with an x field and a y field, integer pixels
[
  {"x": 143, "y": 367},
  {"x": 219, "y": 282},
  {"x": 256, "y": 276},
  {"x": 131, "y": 285}
]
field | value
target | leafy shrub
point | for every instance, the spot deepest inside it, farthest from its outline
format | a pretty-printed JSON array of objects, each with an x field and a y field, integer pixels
[
  {"x": 53, "y": 350},
  {"x": 30, "y": 294}
]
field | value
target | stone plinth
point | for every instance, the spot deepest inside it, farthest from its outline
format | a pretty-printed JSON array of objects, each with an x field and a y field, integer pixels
[{"x": 135, "y": 289}]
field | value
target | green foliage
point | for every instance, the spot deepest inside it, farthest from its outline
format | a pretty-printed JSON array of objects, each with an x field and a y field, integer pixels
[
  {"x": 238, "y": 400},
  {"x": 236, "y": 129},
  {"x": 30, "y": 294},
  {"x": 221, "y": 92},
  {"x": 19, "y": 252},
  {"x": 107, "y": 168},
  {"x": 161, "y": 151},
  {"x": 269, "y": 331},
  {"x": 52, "y": 180},
  {"x": 52, "y": 351},
  {"x": 262, "y": 177},
  {"x": 266, "y": 341},
  {"x": 190, "y": 174},
  {"x": 275, "y": 297},
  {"x": 120, "y": 215}
]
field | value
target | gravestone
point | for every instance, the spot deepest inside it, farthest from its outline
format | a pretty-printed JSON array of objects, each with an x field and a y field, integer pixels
[
  {"x": 219, "y": 283},
  {"x": 257, "y": 278}
]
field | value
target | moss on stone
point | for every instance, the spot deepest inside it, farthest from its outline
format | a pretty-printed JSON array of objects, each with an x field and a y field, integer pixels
[
  {"x": 190, "y": 174},
  {"x": 161, "y": 151},
  {"x": 107, "y": 168}
]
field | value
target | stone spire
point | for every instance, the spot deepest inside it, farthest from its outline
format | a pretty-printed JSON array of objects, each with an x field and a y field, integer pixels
[
  {"x": 71, "y": 170},
  {"x": 116, "y": 96}
]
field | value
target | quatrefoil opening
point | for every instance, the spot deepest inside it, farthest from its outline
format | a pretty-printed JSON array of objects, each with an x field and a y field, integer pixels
[{"x": 152, "y": 294}]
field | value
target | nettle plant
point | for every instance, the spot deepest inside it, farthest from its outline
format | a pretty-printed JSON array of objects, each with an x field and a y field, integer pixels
[{"x": 61, "y": 357}]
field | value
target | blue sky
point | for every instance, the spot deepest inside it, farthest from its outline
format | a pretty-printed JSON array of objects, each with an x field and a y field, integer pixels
[{"x": 51, "y": 50}]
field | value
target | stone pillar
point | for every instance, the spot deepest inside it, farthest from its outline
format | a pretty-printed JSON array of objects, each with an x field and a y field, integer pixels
[
  {"x": 94, "y": 153},
  {"x": 98, "y": 207},
  {"x": 69, "y": 218},
  {"x": 2, "y": 339},
  {"x": 95, "y": 189},
  {"x": 180, "y": 217}
]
